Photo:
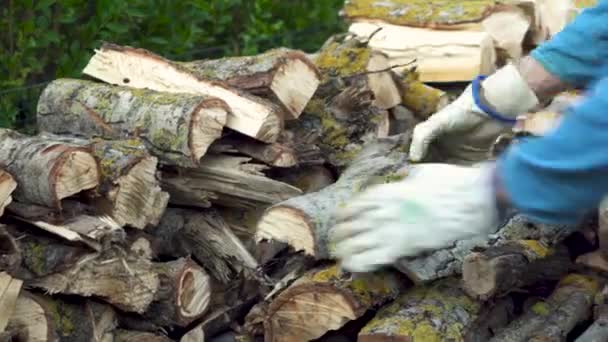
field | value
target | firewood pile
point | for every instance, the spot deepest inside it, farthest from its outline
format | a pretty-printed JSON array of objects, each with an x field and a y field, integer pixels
[{"x": 191, "y": 201}]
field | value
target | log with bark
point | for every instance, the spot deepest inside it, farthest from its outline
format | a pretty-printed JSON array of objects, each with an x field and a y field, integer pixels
[
  {"x": 598, "y": 331},
  {"x": 552, "y": 319},
  {"x": 306, "y": 178},
  {"x": 139, "y": 68},
  {"x": 305, "y": 222},
  {"x": 225, "y": 180},
  {"x": 177, "y": 128},
  {"x": 122, "y": 335},
  {"x": 44, "y": 318},
  {"x": 46, "y": 171},
  {"x": 437, "y": 312},
  {"x": 10, "y": 253},
  {"x": 423, "y": 100},
  {"x": 273, "y": 154},
  {"x": 7, "y": 186},
  {"x": 325, "y": 299},
  {"x": 284, "y": 76}
]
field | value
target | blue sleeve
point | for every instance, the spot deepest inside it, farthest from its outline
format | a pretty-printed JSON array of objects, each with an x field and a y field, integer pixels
[
  {"x": 578, "y": 55},
  {"x": 559, "y": 177}
]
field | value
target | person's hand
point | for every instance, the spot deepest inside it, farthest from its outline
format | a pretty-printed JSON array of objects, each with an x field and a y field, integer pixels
[
  {"x": 465, "y": 132},
  {"x": 436, "y": 205}
]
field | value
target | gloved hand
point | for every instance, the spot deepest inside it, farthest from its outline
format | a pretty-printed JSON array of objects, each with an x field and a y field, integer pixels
[
  {"x": 434, "y": 206},
  {"x": 463, "y": 130}
]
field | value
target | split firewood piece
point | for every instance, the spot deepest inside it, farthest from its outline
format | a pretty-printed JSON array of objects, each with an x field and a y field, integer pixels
[
  {"x": 437, "y": 312},
  {"x": 183, "y": 296},
  {"x": 552, "y": 319},
  {"x": 274, "y": 154},
  {"x": 139, "y": 68},
  {"x": 440, "y": 55},
  {"x": 177, "y": 128},
  {"x": 516, "y": 264},
  {"x": 324, "y": 299},
  {"x": 423, "y": 100},
  {"x": 598, "y": 331},
  {"x": 448, "y": 262},
  {"x": 282, "y": 75},
  {"x": 46, "y": 171},
  {"x": 127, "y": 282},
  {"x": 306, "y": 178},
  {"x": 205, "y": 235},
  {"x": 226, "y": 180},
  {"x": 122, "y": 335},
  {"x": 45, "y": 318},
  {"x": 130, "y": 191},
  {"x": 305, "y": 222},
  {"x": 7, "y": 186},
  {"x": 9, "y": 292}
]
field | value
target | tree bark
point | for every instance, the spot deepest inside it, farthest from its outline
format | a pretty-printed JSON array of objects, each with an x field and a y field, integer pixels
[
  {"x": 10, "y": 253},
  {"x": 281, "y": 75},
  {"x": 304, "y": 222},
  {"x": 437, "y": 312},
  {"x": 552, "y": 319},
  {"x": 139, "y": 68},
  {"x": 47, "y": 171},
  {"x": 225, "y": 180},
  {"x": 177, "y": 128},
  {"x": 7, "y": 186},
  {"x": 598, "y": 331},
  {"x": 324, "y": 300}
]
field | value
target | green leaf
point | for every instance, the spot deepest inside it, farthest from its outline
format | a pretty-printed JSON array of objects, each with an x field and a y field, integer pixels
[{"x": 44, "y": 4}]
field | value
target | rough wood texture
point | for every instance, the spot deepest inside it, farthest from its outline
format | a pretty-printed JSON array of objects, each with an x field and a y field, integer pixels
[
  {"x": 598, "y": 331},
  {"x": 284, "y": 76},
  {"x": 127, "y": 282},
  {"x": 10, "y": 253},
  {"x": 438, "y": 312},
  {"x": 324, "y": 300},
  {"x": 552, "y": 319},
  {"x": 441, "y": 55},
  {"x": 7, "y": 186},
  {"x": 226, "y": 180},
  {"x": 177, "y": 128},
  {"x": 306, "y": 178},
  {"x": 448, "y": 262},
  {"x": 140, "y": 336},
  {"x": 138, "y": 68},
  {"x": 9, "y": 292},
  {"x": 423, "y": 100},
  {"x": 304, "y": 222},
  {"x": 46, "y": 171},
  {"x": 206, "y": 236},
  {"x": 45, "y": 318},
  {"x": 273, "y": 154},
  {"x": 509, "y": 267},
  {"x": 130, "y": 191}
]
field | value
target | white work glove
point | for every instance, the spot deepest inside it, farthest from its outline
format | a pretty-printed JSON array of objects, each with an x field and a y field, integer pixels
[
  {"x": 434, "y": 206},
  {"x": 464, "y": 132}
]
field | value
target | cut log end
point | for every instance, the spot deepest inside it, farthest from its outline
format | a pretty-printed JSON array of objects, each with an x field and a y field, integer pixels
[
  {"x": 77, "y": 172},
  {"x": 30, "y": 316},
  {"x": 207, "y": 125},
  {"x": 293, "y": 97},
  {"x": 382, "y": 84},
  {"x": 480, "y": 274},
  {"x": 287, "y": 225},
  {"x": 7, "y": 186},
  {"x": 194, "y": 293}
]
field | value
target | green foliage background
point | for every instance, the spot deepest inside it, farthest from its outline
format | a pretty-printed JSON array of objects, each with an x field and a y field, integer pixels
[{"x": 41, "y": 40}]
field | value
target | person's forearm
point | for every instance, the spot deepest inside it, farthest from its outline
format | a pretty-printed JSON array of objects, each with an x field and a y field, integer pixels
[{"x": 544, "y": 84}]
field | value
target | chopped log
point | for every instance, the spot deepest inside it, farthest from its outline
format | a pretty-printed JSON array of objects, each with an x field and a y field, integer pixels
[
  {"x": 401, "y": 120},
  {"x": 177, "y": 128},
  {"x": 552, "y": 319},
  {"x": 129, "y": 283},
  {"x": 306, "y": 178},
  {"x": 7, "y": 186},
  {"x": 122, "y": 335},
  {"x": 324, "y": 300},
  {"x": 139, "y": 68},
  {"x": 282, "y": 75},
  {"x": 304, "y": 222},
  {"x": 53, "y": 319},
  {"x": 437, "y": 312},
  {"x": 598, "y": 331},
  {"x": 274, "y": 154},
  {"x": 10, "y": 253},
  {"x": 514, "y": 265},
  {"x": 183, "y": 296},
  {"x": 225, "y": 180},
  {"x": 9, "y": 292},
  {"x": 46, "y": 171},
  {"x": 448, "y": 262},
  {"x": 423, "y": 100},
  {"x": 441, "y": 56}
]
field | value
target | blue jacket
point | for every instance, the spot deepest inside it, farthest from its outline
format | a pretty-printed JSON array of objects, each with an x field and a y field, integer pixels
[{"x": 563, "y": 175}]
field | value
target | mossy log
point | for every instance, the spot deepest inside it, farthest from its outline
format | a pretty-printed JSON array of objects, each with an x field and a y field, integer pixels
[
  {"x": 177, "y": 128},
  {"x": 46, "y": 171},
  {"x": 598, "y": 331},
  {"x": 304, "y": 222},
  {"x": 437, "y": 312},
  {"x": 129, "y": 190},
  {"x": 448, "y": 262},
  {"x": 325, "y": 299},
  {"x": 554, "y": 318},
  {"x": 225, "y": 180},
  {"x": 274, "y": 154},
  {"x": 122, "y": 335},
  {"x": 45, "y": 318},
  {"x": 7, "y": 186},
  {"x": 139, "y": 68},
  {"x": 512, "y": 266},
  {"x": 423, "y": 100},
  {"x": 284, "y": 76},
  {"x": 128, "y": 282},
  {"x": 205, "y": 235}
]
